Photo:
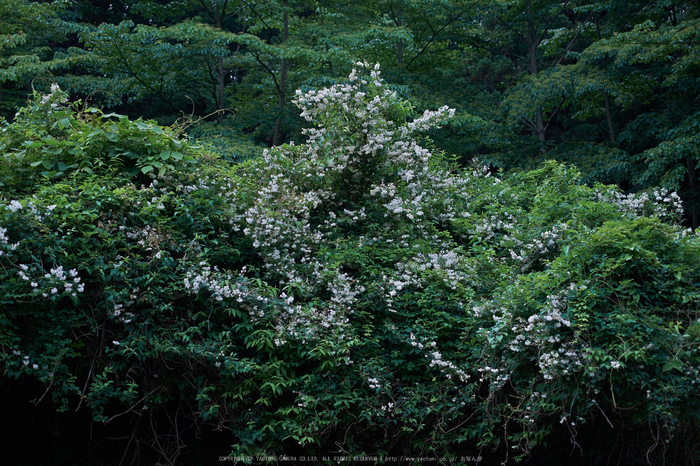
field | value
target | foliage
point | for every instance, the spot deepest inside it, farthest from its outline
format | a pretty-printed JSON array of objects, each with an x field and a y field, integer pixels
[
  {"x": 610, "y": 88},
  {"x": 51, "y": 140},
  {"x": 225, "y": 140},
  {"x": 605, "y": 85},
  {"x": 28, "y": 29},
  {"x": 356, "y": 293}
]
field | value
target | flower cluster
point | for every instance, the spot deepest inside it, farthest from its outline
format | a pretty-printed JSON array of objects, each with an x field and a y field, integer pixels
[
  {"x": 448, "y": 266},
  {"x": 659, "y": 202},
  {"x": 121, "y": 315},
  {"x": 13, "y": 206},
  {"x": 545, "y": 337},
  {"x": 57, "y": 282},
  {"x": 220, "y": 285},
  {"x": 373, "y": 383},
  {"x": 54, "y": 99},
  {"x": 26, "y": 360},
  {"x": 149, "y": 237},
  {"x": 312, "y": 193},
  {"x": 537, "y": 247},
  {"x": 299, "y": 322},
  {"x": 307, "y": 324},
  {"x": 5, "y": 245},
  {"x": 489, "y": 226},
  {"x": 435, "y": 358},
  {"x": 39, "y": 213}
]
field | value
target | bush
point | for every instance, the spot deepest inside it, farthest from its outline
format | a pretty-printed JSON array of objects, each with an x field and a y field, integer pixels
[
  {"x": 355, "y": 294},
  {"x": 50, "y": 140}
]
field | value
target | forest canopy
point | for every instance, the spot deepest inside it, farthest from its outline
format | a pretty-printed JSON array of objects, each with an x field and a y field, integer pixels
[{"x": 226, "y": 228}]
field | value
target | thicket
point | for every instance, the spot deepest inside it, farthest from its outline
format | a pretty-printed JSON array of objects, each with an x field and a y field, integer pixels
[{"x": 355, "y": 294}]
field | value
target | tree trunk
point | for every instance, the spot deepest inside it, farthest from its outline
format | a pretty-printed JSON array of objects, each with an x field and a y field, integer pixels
[
  {"x": 220, "y": 89},
  {"x": 611, "y": 128},
  {"x": 281, "y": 94},
  {"x": 606, "y": 97},
  {"x": 399, "y": 47},
  {"x": 695, "y": 195},
  {"x": 532, "y": 55},
  {"x": 217, "y": 13},
  {"x": 330, "y": 62}
]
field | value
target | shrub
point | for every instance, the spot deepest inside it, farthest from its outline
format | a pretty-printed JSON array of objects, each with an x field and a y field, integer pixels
[
  {"x": 51, "y": 139},
  {"x": 355, "y": 294}
]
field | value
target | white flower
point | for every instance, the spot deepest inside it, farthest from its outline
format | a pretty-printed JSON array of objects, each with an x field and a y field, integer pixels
[{"x": 14, "y": 206}]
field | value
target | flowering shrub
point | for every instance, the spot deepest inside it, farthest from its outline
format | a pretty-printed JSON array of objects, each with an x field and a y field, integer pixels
[{"x": 354, "y": 294}]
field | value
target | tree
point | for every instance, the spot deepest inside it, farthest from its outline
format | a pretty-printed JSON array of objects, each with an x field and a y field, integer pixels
[
  {"x": 29, "y": 30},
  {"x": 666, "y": 127},
  {"x": 534, "y": 21},
  {"x": 188, "y": 63}
]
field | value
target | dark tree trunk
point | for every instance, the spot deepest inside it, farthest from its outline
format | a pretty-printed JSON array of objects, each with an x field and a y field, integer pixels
[
  {"x": 532, "y": 55},
  {"x": 606, "y": 97},
  {"x": 217, "y": 14},
  {"x": 695, "y": 195},
  {"x": 611, "y": 128},
  {"x": 399, "y": 46},
  {"x": 220, "y": 88},
  {"x": 281, "y": 94}
]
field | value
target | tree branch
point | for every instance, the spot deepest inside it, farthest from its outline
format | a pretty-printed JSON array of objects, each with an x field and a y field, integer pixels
[
  {"x": 432, "y": 38},
  {"x": 551, "y": 117}
]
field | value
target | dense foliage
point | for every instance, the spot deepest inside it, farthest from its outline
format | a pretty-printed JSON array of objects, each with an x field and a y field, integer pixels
[
  {"x": 355, "y": 294},
  {"x": 609, "y": 86}
]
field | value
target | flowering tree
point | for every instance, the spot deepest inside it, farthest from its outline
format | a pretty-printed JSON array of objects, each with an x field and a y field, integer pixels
[{"x": 352, "y": 294}]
